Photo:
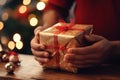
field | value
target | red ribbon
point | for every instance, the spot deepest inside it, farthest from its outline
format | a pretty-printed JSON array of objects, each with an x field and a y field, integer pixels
[
  {"x": 64, "y": 28},
  {"x": 56, "y": 45},
  {"x": 13, "y": 53}
]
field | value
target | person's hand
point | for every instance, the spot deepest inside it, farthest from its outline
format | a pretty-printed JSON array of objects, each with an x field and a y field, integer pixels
[
  {"x": 89, "y": 56},
  {"x": 38, "y": 49}
]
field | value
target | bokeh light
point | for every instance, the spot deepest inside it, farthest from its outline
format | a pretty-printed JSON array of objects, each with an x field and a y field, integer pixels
[
  {"x": 11, "y": 45},
  {"x": 4, "y": 16},
  {"x": 31, "y": 16},
  {"x": 16, "y": 37},
  {"x": 4, "y": 40},
  {"x": 1, "y": 25},
  {"x": 44, "y": 1},
  {"x": 23, "y": 15},
  {"x": 40, "y": 5},
  {"x": 26, "y": 2},
  {"x": 19, "y": 45},
  {"x": 1, "y": 49},
  {"x": 33, "y": 21},
  {"x": 2, "y": 2},
  {"x": 22, "y": 9}
]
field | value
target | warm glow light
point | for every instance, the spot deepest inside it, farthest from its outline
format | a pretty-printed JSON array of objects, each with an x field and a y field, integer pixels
[
  {"x": 1, "y": 49},
  {"x": 19, "y": 45},
  {"x": 2, "y": 2},
  {"x": 31, "y": 16},
  {"x": 22, "y": 9},
  {"x": 40, "y": 5},
  {"x": 44, "y": 0},
  {"x": 4, "y": 40},
  {"x": 4, "y": 16},
  {"x": 1, "y": 25},
  {"x": 26, "y": 2},
  {"x": 33, "y": 21},
  {"x": 16, "y": 37},
  {"x": 11, "y": 45}
]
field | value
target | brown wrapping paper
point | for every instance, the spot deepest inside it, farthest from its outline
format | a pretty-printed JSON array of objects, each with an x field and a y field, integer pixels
[{"x": 57, "y": 41}]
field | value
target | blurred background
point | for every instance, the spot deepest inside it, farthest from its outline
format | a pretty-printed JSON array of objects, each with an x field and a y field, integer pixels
[{"x": 18, "y": 19}]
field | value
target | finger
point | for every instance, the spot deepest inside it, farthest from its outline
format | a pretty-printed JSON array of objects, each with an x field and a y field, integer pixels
[
  {"x": 40, "y": 53},
  {"x": 84, "y": 62},
  {"x": 81, "y": 58},
  {"x": 41, "y": 60},
  {"x": 35, "y": 45},
  {"x": 70, "y": 57},
  {"x": 93, "y": 38},
  {"x": 81, "y": 50},
  {"x": 39, "y": 28}
]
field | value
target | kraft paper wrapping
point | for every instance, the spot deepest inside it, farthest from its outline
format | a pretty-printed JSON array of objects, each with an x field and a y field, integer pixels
[{"x": 62, "y": 39}]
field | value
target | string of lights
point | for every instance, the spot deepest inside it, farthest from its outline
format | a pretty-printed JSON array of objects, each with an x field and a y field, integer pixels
[{"x": 17, "y": 23}]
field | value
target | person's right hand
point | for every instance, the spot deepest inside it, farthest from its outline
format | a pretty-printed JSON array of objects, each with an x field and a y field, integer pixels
[{"x": 38, "y": 49}]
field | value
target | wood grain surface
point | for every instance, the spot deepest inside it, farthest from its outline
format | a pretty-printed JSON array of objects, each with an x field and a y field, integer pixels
[{"x": 31, "y": 70}]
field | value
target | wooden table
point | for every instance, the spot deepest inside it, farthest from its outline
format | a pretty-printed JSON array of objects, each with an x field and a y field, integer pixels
[{"x": 31, "y": 70}]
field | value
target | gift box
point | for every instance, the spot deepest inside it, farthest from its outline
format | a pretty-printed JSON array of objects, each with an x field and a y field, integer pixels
[{"x": 60, "y": 37}]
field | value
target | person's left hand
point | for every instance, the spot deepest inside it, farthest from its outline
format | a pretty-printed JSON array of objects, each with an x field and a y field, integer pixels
[{"x": 91, "y": 55}]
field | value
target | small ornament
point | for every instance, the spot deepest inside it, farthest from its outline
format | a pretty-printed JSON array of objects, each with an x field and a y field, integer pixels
[
  {"x": 10, "y": 67},
  {"x": 1, "y": 54},
  {"x": 5, "y": 57},
  {"x": 14, "y": 59}
]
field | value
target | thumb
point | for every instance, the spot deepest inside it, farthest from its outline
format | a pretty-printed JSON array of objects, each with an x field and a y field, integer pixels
[{"x": 93, "y": 38}]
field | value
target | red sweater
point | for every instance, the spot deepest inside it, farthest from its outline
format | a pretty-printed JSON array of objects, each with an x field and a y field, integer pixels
[{"x": 103, "y": 14}]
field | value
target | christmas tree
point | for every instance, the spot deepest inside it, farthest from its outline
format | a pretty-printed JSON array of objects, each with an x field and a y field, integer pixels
[{"x": 18, "y": 19}]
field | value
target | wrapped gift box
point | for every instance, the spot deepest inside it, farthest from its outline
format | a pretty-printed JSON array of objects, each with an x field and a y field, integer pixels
[{"x": 59, "y": 38}]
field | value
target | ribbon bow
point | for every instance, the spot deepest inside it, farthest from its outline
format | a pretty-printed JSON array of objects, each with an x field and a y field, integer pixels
[{"x": 65, "y": 28}]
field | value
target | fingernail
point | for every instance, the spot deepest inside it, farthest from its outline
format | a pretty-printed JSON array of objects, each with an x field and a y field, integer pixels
[
  {"x": 42, "y": 46},
  {"x": 69, "y": 50},
  {"x": 70, "y": 64},
  {"x": 46, "y": 54},
  {"x": 46, "y": 60},
  {"x": 66, "y": 58}
]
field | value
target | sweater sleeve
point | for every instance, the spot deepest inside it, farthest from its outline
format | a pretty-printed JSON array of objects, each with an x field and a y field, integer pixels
[{"x": 61, "y": 6}]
